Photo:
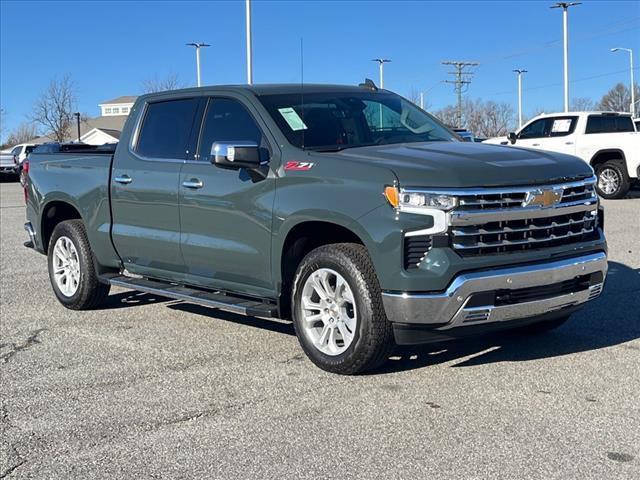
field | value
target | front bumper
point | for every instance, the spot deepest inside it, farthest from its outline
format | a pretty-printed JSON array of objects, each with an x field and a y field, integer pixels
[{"x": 501, "y": 295}]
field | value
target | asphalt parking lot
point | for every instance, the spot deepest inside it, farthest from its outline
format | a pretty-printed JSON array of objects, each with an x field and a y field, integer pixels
[{"x": 154, "y": 388}]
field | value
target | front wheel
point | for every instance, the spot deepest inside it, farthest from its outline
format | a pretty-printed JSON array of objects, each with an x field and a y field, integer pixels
[
  {"x": 72, "y": 268},
  {"x": 613, "y": 181},
  {"x": 338, "y": 314}
]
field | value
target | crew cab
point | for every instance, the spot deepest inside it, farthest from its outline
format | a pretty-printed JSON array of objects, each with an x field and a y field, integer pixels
[
  {"x": 348, "y": 210},
  {"x": 607, "y": 141}
]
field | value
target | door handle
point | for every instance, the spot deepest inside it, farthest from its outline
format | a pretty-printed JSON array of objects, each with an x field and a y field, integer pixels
[
  {"x": 193, "y": 183},
  {"x": 568, "y": 143},
  {"x": 124, "y": 179},
  {"x": 535, "y": 144}
]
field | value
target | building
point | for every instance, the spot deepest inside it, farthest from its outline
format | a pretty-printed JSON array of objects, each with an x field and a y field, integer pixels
[{"x": 117, "y": 106}]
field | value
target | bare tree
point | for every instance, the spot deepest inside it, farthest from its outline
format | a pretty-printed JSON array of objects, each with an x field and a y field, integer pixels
[
  {"x": 618, "y": 99},
  {"x": 3, "y": 115},
  {"x": 449, "y": 115},
  {"x": 583, "y": 104},
  {"x": 155, "y": 84},
  {"x": 54, "y": 109},
  {"x": 23, "y": 133},
  {"x": 489, "y": 119}
]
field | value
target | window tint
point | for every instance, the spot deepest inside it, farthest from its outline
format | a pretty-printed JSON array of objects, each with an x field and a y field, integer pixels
[
  {"x": 16, "y": 151},
  {"x": 609, "y": 124},
  {"x": 536, "y": 129},
  {"x": 166, "y": 128},
  {"x": 227, "y": 120}
]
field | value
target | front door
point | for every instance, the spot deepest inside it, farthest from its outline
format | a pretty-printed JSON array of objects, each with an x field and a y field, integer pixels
[
  {"x": 226, "y": 214},
  {"x": 145, "y": 189}
]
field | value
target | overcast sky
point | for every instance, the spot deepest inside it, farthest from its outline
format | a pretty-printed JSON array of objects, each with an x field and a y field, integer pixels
[{"x": 110, "y": 48}]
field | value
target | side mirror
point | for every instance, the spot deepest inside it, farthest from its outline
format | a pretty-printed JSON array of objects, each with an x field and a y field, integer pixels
[
  {"x": 236, "y": 154},
  {"x": 512, "y": 137}
]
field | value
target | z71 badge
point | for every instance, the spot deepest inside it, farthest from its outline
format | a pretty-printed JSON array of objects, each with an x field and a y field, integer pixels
[{"x": 298, "y": 166}]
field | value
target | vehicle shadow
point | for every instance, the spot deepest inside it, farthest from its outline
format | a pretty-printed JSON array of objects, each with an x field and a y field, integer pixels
[
  {"x": 610, "y": 320},
  {"x": 132, "y": 299},
  {"x": 272, "y": 325}
]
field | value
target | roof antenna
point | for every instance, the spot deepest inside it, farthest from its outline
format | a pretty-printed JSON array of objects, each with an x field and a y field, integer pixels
[{"x": 302, "y": 85}]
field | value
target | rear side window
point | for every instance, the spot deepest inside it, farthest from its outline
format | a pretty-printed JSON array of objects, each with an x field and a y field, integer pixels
[
  {"x": 227, "y": 120},
  {"x": 562, "y": 126},
  {"x": 609, "y": 124},
  {"x": 166, "y": 128}
]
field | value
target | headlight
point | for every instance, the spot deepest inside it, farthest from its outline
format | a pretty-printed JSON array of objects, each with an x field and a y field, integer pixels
[{"x": 419, "y": 202}]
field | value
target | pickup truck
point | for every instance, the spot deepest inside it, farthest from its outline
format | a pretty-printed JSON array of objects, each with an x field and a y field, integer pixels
[
  {"x": 346, "y": 209},
  {"x": 607, "y": 141}
]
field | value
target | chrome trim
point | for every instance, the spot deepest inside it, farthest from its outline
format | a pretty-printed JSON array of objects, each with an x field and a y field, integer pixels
[
  {"x": 498, "y": 190},
  {"x": 475, "y": 217},
  {"x": 448, "y": 307},
  {"x": 31, "y": 231}
]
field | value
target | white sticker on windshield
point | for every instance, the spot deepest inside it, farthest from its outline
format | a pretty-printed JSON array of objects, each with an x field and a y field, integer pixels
[
  {"x": 562, "y": 125},
  {"x": 292, "y": 118}
]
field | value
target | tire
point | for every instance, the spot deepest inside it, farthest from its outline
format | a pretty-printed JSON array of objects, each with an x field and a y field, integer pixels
[
  {"x": 69, "y": 240},
  {"x": 613, "y": 181},
  {"x": 542, "y": 327},
  {"x": 358, "y": 310}
]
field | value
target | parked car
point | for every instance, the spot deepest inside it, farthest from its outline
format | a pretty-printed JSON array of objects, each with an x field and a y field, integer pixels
[
  {"x": 607, "y": 141},
  {"x": 262, "y": 201},
  {"x": 11, "y": 159}
]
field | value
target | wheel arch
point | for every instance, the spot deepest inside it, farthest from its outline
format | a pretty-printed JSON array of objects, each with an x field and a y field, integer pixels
[
  {"x": 299, "y": 240},
  {"x": 53, "y": 213},
  {"x": 605, "y": 155}
]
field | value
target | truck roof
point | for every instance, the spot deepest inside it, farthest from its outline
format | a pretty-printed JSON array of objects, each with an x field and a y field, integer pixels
[{"x": 270, "y": 89}]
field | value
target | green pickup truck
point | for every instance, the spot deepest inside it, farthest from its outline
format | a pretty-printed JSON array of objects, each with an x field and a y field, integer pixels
[{"x": 346, "y": 209}]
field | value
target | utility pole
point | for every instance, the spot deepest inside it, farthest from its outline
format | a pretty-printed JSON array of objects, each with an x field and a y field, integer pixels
[
  {"x": 565, "y": 29},
  {"x": 77, "y": 115},
  {"x": 249, "y": 44},
  {"x": 520, "y": 71},
  {"x": 633, "y": 93},
  {"x": 422, "y": 100},
  {"x": 462, "y": 75},
  {"x": 198, "y": 46}
]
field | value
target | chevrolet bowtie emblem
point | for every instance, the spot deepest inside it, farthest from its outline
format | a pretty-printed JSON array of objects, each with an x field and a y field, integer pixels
[{"x": 542, "y": 198}]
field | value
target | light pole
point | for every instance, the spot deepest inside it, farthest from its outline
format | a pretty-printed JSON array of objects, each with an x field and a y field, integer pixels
[
  {"x": 198, "y": 46},
  {"x": 565, "y": 28},
  {"x": 633, "y": 94},
  {"x": 520, "y": 71},
  {"x": 249, "y": 45},
  {"x": 381, "y": 62},
  {"x": 422, "y": 100}
]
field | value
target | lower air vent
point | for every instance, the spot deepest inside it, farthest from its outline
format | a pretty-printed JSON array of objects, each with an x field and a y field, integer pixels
[
  {"x": 477, "y": 316},
  {"x": 415, "y": 248}
]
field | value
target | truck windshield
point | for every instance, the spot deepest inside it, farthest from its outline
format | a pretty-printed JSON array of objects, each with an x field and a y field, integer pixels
[{"x": 335, "y": 121}]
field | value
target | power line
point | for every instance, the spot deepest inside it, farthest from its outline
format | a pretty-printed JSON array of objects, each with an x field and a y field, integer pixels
[{"x": 462, "y": 78}]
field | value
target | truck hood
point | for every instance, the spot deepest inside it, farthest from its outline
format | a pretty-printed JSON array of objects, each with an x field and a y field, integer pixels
[{"x": 465, "y": 164}]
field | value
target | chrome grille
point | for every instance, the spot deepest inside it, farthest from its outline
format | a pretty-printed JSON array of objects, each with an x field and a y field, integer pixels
[{"x": 494, "y": 221}]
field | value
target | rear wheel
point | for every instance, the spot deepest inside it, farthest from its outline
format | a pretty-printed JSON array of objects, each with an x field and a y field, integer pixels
[
  {"x": 72, "y": 269},
  {"x": 613, "y": 181},
  {"x": 337, "y": 310}
]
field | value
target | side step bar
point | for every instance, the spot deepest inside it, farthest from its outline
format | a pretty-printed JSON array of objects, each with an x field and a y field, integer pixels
[{"x": 215, "y": 299}]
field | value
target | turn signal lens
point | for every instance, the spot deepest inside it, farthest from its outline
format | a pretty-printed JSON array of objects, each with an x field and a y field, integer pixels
[{"x": 392, "y": 195}]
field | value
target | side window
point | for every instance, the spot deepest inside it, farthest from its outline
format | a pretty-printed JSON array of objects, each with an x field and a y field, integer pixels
[
  {"x": 16, "y": 151},
  {"x": 534, "y": 130},
  {"x": 166, "y": 129},
  {"x": 609, "y": 124},
  {"x": 227, "y": 120},
  {"x": 562, "y": 126}
]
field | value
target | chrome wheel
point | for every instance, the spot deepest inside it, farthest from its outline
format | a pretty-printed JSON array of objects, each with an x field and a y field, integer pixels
[
  {"x": 608, "y": 181},
  {"x": 329, "y": 315},
  {"x": 66, "y": 266}
]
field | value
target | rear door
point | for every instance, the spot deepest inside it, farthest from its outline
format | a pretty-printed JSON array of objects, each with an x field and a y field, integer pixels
[
  {"x": 560, "y": 135},
  {"x": 226, "y": 215},
  {"x": 145, "y": 187}
]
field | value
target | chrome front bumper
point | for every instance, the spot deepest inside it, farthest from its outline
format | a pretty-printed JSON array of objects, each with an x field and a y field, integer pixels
[{"x": 452, "y": 308}]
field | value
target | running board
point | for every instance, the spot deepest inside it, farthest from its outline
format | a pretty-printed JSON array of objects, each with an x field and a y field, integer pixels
[{"x": 214, "y": 299}]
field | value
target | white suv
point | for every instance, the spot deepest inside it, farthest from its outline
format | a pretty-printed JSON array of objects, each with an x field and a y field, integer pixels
[{"x": 607, "y": 141}]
